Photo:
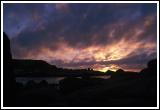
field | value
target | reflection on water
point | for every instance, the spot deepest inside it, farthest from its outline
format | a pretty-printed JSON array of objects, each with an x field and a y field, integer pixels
[
  {"x": 103, "y": 77},
  {"x": 50, "y": 80}
]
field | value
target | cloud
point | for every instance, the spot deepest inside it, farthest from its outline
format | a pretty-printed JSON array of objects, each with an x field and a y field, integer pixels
[
  {"x": 62, "y": 7},
  {"x": 83, "y": 35}
]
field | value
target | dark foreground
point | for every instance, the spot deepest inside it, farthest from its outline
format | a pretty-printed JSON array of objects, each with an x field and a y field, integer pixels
[{"x": 121, "y": 91}]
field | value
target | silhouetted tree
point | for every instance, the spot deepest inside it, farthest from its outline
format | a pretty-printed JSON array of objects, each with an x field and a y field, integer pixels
[
  {"x": 89, "y": 69},
  {"x": 120, "y": 71}
]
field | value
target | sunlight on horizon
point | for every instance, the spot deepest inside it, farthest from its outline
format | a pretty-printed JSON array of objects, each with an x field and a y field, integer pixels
[{"x": 110, "y": 67}]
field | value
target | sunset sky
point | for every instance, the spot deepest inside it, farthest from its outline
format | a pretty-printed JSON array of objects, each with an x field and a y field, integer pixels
[{"x": 101, "y": 36}]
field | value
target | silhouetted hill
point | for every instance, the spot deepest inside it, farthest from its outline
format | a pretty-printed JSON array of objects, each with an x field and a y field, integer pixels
[
  {"x": 109, "y": 72},
  {"x": 121, "y": 74},
  {"x": 32, "y": 64},
  {"x": 33, "y": 68},
  {"x": 39, "y": 68},
  {"x": 120, "y": 71}
]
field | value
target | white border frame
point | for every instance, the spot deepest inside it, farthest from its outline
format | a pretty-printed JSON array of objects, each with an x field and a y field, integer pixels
[{"x": 2, "y": 2}]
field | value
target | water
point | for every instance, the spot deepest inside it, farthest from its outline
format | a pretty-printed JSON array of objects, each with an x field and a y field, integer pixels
[{"x": 50, "y": 80}]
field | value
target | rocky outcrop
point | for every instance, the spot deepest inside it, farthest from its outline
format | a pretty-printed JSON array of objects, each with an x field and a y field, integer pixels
[{"x": 8, "y": 76}]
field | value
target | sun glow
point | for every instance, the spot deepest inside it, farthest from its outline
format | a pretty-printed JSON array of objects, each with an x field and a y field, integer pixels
[
  {"x": 104, "y": 69},
  {"x": 111, "y": 67}
]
